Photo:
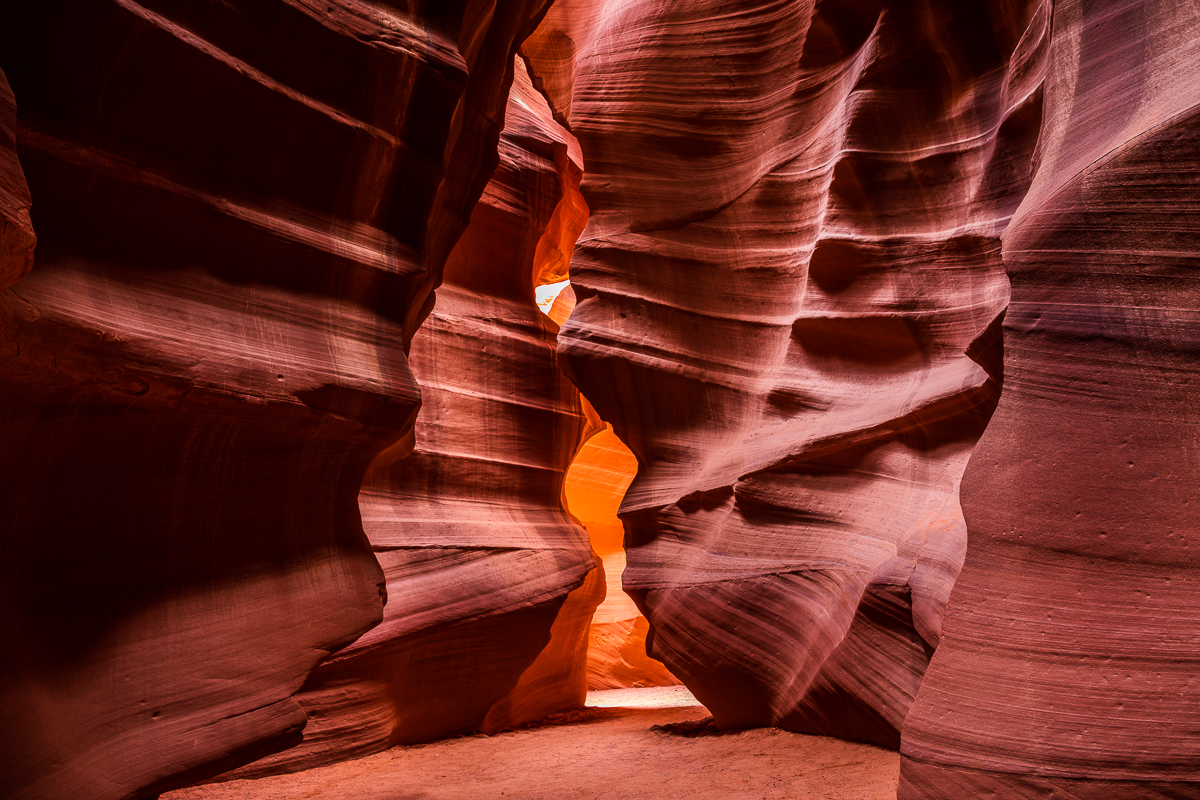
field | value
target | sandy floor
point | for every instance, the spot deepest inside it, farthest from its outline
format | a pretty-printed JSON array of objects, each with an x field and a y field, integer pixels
[{"x": 609, "y": 750}]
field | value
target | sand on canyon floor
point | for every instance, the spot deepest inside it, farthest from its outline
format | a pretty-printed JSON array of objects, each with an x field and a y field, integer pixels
[{"x": 628, "y": 744}]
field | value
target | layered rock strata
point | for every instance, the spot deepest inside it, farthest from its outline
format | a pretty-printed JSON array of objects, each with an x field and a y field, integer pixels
[
  {"x": 788, "y": 301},
  {"x": 596, "y": 482},
  {"x": 17, "y": 239},
  {"x": 242, "y": 210},
  {"x": 487, "y": 577},
  {"x": 1069, "y": 662}
]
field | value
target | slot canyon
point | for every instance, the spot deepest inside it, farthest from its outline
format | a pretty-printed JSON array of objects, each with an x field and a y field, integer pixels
[{"x": 376, "y": 374}]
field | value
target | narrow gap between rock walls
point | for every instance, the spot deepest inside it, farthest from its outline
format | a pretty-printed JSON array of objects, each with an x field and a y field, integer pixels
[{"x": 596, "y": 481}]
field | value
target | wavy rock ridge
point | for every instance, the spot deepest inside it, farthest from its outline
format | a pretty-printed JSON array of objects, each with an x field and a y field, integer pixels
[
  {"x": 490, "y": 584},
  {"x": 241, "y": 212},
  {"x": 790, "y": 299},
  {"x": 799, "y": 261},
  {"x": 17, "y": 239},
  {"x": 1069, "y": 661}
]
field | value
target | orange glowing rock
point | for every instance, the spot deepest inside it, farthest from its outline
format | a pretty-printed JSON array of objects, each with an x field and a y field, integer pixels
[{"x": 596, "y": 482}]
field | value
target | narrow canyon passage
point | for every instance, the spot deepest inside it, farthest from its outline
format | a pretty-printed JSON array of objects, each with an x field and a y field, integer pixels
[
  {"x": 594, "y": 486},
  {"x": 868, "y": 408},
  {"x": 496, "y": 522}
]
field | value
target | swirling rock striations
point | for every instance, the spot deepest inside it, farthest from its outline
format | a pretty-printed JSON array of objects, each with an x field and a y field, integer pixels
[
  {"x": 242, "y": 209},
  {"x": 595, "y": 484},
  {"x": 17, "y": 239},
  {"x": 1070, "y": 659},
  {"x": 788, "y": 300},
  {"x": 482, "y": 628}
]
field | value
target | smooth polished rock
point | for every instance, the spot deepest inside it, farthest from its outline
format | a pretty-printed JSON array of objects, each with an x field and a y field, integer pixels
[
  {"x": 789, "y": 295},
  {"x": 242, "y": 210},
  {"x": 17, "y": 239},
  {"x": 491, "y": 585},
  {"x": 1069, "y": 663}
]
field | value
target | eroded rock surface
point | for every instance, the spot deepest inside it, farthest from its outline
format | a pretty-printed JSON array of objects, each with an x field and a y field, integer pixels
[
  {"x": 788, "y": 302},
  {"x": 488, "y": 609},
  {"x": 1069, "y": 662},
  {"x": 242, "y": 210},
  {"x": 790, "y": 295},
  {"x": 596, "y": 482},
  {"x": 17, "y": 239}
]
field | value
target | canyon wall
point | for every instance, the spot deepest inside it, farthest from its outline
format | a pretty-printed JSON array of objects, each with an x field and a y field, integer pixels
[
  {"x": 242, "y": 210},
  {"x": 17, "y": 239},
  {"x": 1069, "y": 661},
  {"x": 791, "y": 296},
  {"x": 490, "y": 585},
  {"x": 788, "y": 302}
]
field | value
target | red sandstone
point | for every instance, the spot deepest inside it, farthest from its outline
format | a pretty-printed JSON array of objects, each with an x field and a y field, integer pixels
[
  {"x": 223, "y": 229},
  {"x": 788, "y": 294}
]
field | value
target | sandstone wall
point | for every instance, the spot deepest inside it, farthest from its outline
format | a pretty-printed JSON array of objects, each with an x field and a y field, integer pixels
[
  {"x": 242, "y": 210},
  {"x": 17, "y": 239},
  {"x": 1069, "y": 662},
  {"x": 788, "y": 303},
  {"x": 790, "y": 296},
  {"x": 490, "y": 584}
]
